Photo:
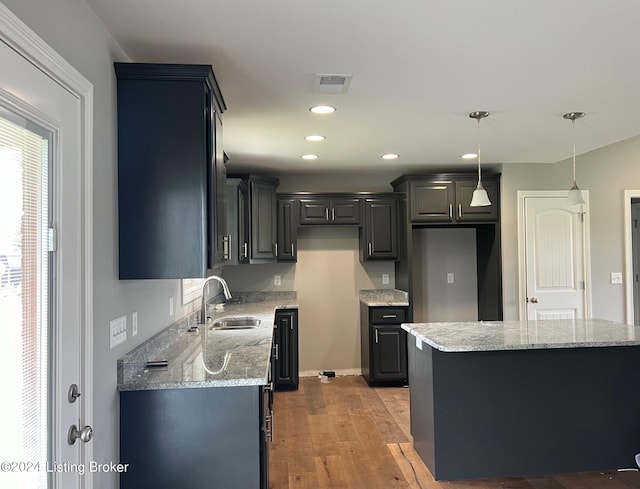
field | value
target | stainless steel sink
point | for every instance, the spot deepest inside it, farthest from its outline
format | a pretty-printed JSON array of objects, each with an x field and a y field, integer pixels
[{"x": 236, "y": 323}]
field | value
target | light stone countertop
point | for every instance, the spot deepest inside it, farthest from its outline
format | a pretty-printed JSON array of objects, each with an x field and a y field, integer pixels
[
  {"x": 247, "y": 351},
  {"x": 384, "y": 297},
  {"x": 524, "y": 335}
]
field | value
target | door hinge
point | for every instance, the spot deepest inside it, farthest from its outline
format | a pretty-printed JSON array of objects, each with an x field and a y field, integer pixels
[
  {"x": 582, "y": 216},
  {"x": 52, "y": 239},
  {"x": 584, "y": 285}
]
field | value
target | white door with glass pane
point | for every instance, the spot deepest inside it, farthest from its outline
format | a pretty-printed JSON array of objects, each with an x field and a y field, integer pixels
[
  {"x": 555, "y": 258},
  {"x": 41, "y": 301}
]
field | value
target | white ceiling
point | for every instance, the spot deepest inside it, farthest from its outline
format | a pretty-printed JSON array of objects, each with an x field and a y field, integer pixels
[{"x": 419, "y": 67}]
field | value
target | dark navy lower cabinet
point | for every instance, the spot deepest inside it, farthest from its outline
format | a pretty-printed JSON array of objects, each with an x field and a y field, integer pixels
[
  {"x": 195, "y": 438},
  {"x": 383, "y": 345},
  {"x": 284, "y": 361}
]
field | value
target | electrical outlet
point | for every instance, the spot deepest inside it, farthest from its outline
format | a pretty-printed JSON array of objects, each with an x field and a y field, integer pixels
[
  {"x": 117, "y": 331},
  {"x": 134, "y": 324},
  {"x": 616, "y": 277},
  {"x": 277, "y": 280},
  {"x": 170, "y": 306},
  {"x": 450, "y": 278},
  {"x": 385, "y": 278}
]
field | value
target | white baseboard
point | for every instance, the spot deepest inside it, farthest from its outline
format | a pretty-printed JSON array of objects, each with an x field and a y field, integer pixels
[{"x": 339, "y": 373}]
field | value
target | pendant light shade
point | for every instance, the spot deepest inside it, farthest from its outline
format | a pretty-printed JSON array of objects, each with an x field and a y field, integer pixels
[
  {"x": 574, "y": 197},
  {"x": 480, "y": 197}
]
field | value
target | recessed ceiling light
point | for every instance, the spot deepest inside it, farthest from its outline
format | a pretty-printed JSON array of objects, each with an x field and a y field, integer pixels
[
  {"x": 390, "y": 156},
  {"x": 315, "y": 137},
  {"x": 309, "y": 157},
  {"x": 469, "y": 156},
  {"x": 322, "y": 109}
]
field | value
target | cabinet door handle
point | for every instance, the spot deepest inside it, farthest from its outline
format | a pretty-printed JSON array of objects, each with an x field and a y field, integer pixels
[
  {"x": 292, "y": 253},
  {"x": 376, "y": 336},
  {"x": 459, "y": 210},
  {"x": 269, "y": 425},
  {"x": 390, "y": 316},
  {"x": 333, "y": 214},
  {"x": 245, "y": 250},
  {"x": 275, "y": 246},
  {"x": 450, "y": 211},
  {"x": 276, "y": 352},
  {"x": 326, "y": 213},
  {"x": 226, "y": 241},
  {"x": 370, "y": 248}
]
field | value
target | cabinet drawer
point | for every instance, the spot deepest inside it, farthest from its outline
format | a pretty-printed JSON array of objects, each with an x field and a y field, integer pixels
[{"x": 388, "y": 315}]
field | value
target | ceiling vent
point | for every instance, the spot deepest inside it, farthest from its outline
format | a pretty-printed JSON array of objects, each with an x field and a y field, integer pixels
[{"x": 332, "y": 83}]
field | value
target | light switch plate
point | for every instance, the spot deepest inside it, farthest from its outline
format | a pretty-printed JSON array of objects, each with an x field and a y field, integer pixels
[
  {"x": 117, "y": 331},
  {"x": 450, "y": 278},
  {"x": 385, "y": 278},
  {"x": 277, "y": 280}
]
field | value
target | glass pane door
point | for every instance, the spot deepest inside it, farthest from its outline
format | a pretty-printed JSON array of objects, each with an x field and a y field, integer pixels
[{"x": 24, "y": 303}]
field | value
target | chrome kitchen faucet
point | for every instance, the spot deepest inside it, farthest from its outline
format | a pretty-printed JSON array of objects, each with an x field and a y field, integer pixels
[{"x": 225, "y": 290}]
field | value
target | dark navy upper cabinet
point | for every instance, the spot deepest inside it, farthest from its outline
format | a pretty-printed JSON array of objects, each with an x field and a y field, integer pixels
[
  {"x": 287, "y": 230},
  {"x": 329, "y": 210},
  {"x": 379, "y": 233},
  {"x": 170, "y": 171},
  {"x": 446, "y": 198}
]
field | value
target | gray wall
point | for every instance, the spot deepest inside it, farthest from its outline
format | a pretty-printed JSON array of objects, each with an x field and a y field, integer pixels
[
  {"x": 439, "y": 252},
  {"x": 71, "y": 28},
  {"x": 606, "y": 173},
  {"x": 337, "y": 182}
]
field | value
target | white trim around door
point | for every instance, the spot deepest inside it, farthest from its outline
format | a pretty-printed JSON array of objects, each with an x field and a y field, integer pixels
[
  {"x": 22, "y": 39},
  {"x": 522, "y": 265}
]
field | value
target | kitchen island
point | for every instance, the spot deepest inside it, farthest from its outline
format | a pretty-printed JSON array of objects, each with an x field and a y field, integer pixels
[
  {"x": 195, "y": 402},
  {"x": 511, "y": 398}
]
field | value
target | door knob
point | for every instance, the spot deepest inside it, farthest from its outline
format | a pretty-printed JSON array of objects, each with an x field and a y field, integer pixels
[
  {"x": 533, "y": 300},
  {"x": 85, "y": 434}
]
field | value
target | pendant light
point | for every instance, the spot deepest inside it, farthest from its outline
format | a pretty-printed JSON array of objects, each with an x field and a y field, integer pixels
[
  {"x": 575, "y": 194},
  {"x": 480, "y": 197}
]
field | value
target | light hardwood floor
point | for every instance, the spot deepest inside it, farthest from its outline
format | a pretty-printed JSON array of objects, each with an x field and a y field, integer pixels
[{"x": 344, "y": 434}]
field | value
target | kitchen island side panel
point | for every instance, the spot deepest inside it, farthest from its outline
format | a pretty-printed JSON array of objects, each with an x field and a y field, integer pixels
[
  {"x": 525, "y": 412},
  {"x": 421, "y": 402}
]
